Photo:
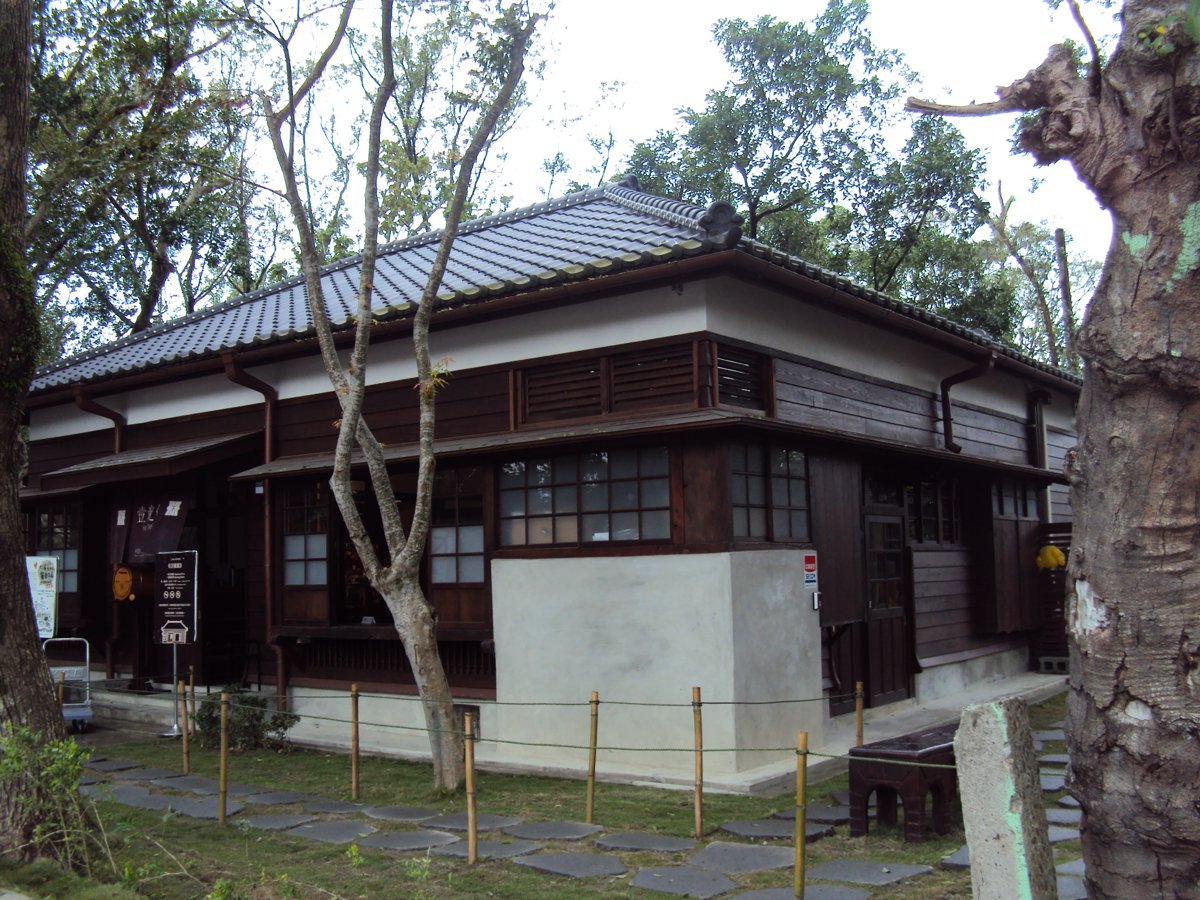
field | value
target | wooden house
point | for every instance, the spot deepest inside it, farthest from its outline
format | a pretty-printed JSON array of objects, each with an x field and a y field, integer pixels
[{"x": 668, "y": 456}]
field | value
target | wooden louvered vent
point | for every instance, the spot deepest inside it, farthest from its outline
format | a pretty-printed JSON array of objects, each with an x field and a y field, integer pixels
[
  {"x": 653, "y": 378},
  {"x": 564, "y": 391},
  {"x": 740, "y": 378}
]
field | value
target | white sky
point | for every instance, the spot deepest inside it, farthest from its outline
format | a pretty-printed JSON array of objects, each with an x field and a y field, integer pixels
[{"x": 663, "y": 51}]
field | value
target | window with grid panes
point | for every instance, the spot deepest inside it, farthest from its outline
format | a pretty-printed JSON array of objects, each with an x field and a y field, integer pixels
[
  {"x": 306, "y": 535},
  {"x": 932, "y": 510},
  {"x": 769, "y": 493},
  {"x": 56, "y": 533},
  {"x": 586, "y": 498},
  {"x": 456, "y": 533}
]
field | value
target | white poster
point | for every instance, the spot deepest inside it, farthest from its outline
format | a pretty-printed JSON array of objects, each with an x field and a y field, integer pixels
[{"x": 43, "y": 587}]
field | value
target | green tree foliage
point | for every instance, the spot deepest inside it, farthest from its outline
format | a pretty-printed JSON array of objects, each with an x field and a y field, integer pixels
[{"x": 137, "y": 139}]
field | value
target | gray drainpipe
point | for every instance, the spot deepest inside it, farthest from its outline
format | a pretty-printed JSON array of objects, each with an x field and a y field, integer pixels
[
  {"x": 978, "y": 370},
  {"x": 235, "y": 373}
]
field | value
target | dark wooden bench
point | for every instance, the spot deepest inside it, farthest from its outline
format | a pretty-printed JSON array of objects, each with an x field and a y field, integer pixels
[{"x": 889, "y": 770}]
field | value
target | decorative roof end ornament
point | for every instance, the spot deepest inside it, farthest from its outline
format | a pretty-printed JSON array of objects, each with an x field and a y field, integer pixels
[
  {"x": 721, "y": 225},
  {"x": 631, "y": 182}
]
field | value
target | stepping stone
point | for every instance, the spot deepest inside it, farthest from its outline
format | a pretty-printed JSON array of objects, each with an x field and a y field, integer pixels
[
  {"x": 408, "y": 840},
  {"x": 730, "y": 858},
  {"x": 842, "y": 798},
  {"x": 1053, "y": 734},
  {"x": 274, "y": 798},
  {"x": 1071, "y": 888},
  {"x": 90, "y": 779},
  {"x": 959, "y": 859},
  {"x": 638, "y": 840},
  {"x": 197, "y": 784},
  {"x": 1055, "y": 759},
  {"x": 488, "y": 849},
  {"x": 322, "y": 805},
  {"x": 811, "y": 892},
  {"x": 120, "y": 793},
  {"x": 1058, "y": 835},
  {"x": 860, "y": 872},
  {"x": 335, "y": 832},
  {"x": 1052, "y": 782},
  {"x": 201, "y": 807},
  {"x": 111, "y": 765},
  {"x": 1064, "y": 816},
  {"x": 776, "y": 829},
  {"x": 687, "y": 881},
  {"x": 1074, "y": 867},
  {"x": 553, "y": 831},
  {"x": 151, "y": 773},
  {"x": 279, "y": 822},
  {"x": 1068, "y": 801},
  {"x": 400, "y": 813},
  {"x": 574, "y": 865},
  {"x": 817, "y": 812},
  {"x": 483, "y": 822},
  {"x": 1061, "y": 723}
]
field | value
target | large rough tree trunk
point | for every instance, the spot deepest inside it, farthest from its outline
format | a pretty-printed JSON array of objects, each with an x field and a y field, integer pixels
[
  {"x": 26, "y": 695},
  {"x": 1132, "y": 131}
]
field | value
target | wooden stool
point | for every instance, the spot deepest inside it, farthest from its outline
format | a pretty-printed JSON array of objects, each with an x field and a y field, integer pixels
[{"x": 887, "y": 769}]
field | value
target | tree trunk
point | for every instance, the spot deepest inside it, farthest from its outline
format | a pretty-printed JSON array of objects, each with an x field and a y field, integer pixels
[
  {"x": 26, "y": 695},
  {"x": 415, "y": 623}
]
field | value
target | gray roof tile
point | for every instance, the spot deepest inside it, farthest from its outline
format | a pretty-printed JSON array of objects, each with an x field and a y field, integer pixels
[{"x": 591, "y": 232}]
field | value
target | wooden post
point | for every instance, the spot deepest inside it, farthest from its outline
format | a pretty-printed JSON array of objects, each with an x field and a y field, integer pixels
[
  {"x": 187, "y": 747},
  {"x": 801, "y": 835},
  {"x": 223, "y": 782},
  {"x": 699, "y": 788},
  {"x": 62, "y": 688},
  {"x": 190, "y": 717},
  {"x": 591, "y": 781},
  {"x": 354, "y": 742},
  {"x": 472, "y": 818},
  {"x": 858, "y": 714}
]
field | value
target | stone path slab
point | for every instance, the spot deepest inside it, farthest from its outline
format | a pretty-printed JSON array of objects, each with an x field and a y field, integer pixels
[
  {"x": 201, "y": 784},
  {"x": 1068, "y": 801},
  {"x": 274, "y": 798},
  {"x": 811, "y": 892},
  {"x": 731, "y": 858},
  {"x": 776, "y": 829},
  {"x": 340, "y": 831},
  {"x": 1055, "y": 759},
  {"x": 876, "y": 874},
  {"x": 338, "y": 807},
  {"x": 111, "y": 765},
  {"x": 1052, "y": 734},
  {"x": 1052, "y": 782},
  {"x": 574, "y": 865},
  {"x": 400, "y": 813},
  {"x": 408, "y": 840},
  {"x": 280, "y": 822},
  {"x": 488, "y": 849},
  {"x": 1059, "y": 816},
  {"x": 638, "y": 840},
  {"x": 1074, "y": 867},
  {"x": 817, "y": 812},
  {"x": 842, "y": 798},
  {"x": 1071, "y": 888},
  {"x": 959, "y": 859},
  {"x": 685, "y": 881},
  {"x": 1058, "y": 835},
  {"x": 483, "y": 822},
  {"x": 150, "y": 773},
  {"x": 200, "y": 807},
  {"x": 552, "y": 831}
]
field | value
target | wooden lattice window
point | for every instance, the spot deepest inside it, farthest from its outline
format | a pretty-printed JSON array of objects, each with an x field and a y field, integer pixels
[
  {"x": 650, "y": 378},
  {"x": 564, "y": 390},
  {"x": 740, "y": 378}
]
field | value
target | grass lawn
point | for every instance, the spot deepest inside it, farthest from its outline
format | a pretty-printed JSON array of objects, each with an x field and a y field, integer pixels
[{"x": 170, "y": 856}]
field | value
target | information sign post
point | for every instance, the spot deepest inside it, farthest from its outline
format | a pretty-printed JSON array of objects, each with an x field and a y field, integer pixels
[{"x": 175, "y": 618}]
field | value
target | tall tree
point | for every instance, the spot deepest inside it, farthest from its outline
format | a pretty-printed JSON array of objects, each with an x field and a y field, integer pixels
[
  {"x": 1130, "y": 127},
  {"x": 497, "y": 68},
  {"x": 26, "y": 696}
]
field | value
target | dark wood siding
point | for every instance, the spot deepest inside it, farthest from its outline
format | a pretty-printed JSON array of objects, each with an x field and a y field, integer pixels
[
  {"x": 58, "y": 453},
  {"x": 1058, "y": 443},
  {"x": 706, "y": 504},
  {"x": 240, "y": 420},
  {"x": 841, "y": 401},
  {"x": 835, "y": 492}
]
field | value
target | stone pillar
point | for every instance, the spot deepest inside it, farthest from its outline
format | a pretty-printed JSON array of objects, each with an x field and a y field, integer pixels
[{"x": 1001, "y": 794}]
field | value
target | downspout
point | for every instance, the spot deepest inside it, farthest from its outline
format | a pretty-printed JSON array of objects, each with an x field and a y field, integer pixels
[
  {"x": 978, "y": 370},
  {"x": 1039, "y": 455},
  {"x": 239, "y": 376},
  {"x": 88, "y": 405}
]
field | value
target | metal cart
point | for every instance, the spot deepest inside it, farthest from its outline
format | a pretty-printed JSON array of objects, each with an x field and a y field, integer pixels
[{"x": 77, "y": 690}]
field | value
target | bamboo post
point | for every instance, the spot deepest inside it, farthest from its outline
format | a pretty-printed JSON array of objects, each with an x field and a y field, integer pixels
[
  {"x": 699, "y": 789},
  {"x": 62, "y": 688},
  {"x": 190, "y": 717},
  {"x": 858, "y": 714},
  {"x": 187, "y": 747},
  {"x": 223, "y": 782},
  {"x": 354, "y": 741},
  {"x": 472, "y": 818},
  {"x": 801, "y": 812},
  {"x": 591, "y": 781}
]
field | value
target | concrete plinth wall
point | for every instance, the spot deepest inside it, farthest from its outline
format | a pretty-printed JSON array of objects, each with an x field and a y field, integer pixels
[
  {"x": 951, "y": 680},
  {"x": 645, "y": 630}
]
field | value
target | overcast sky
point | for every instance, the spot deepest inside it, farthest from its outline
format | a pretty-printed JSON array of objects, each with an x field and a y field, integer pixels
[{"x": 663, "y": 52}]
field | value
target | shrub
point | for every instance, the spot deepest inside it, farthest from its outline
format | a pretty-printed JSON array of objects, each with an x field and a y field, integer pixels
[{"x": 250, "y": 726}]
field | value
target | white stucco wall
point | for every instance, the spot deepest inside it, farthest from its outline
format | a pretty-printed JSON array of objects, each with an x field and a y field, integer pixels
[{"x": 646, "y": 630}]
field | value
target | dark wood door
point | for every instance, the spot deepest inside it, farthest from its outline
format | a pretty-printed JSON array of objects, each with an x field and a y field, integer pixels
[{"x": 888, "y": 672}]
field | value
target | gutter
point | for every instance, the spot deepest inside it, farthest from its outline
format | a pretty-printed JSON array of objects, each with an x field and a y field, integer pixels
[
  {"x": 978, "y": 370},
  {"x": 84, "y": 401},
  {"x": 239, "y": 376}
]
